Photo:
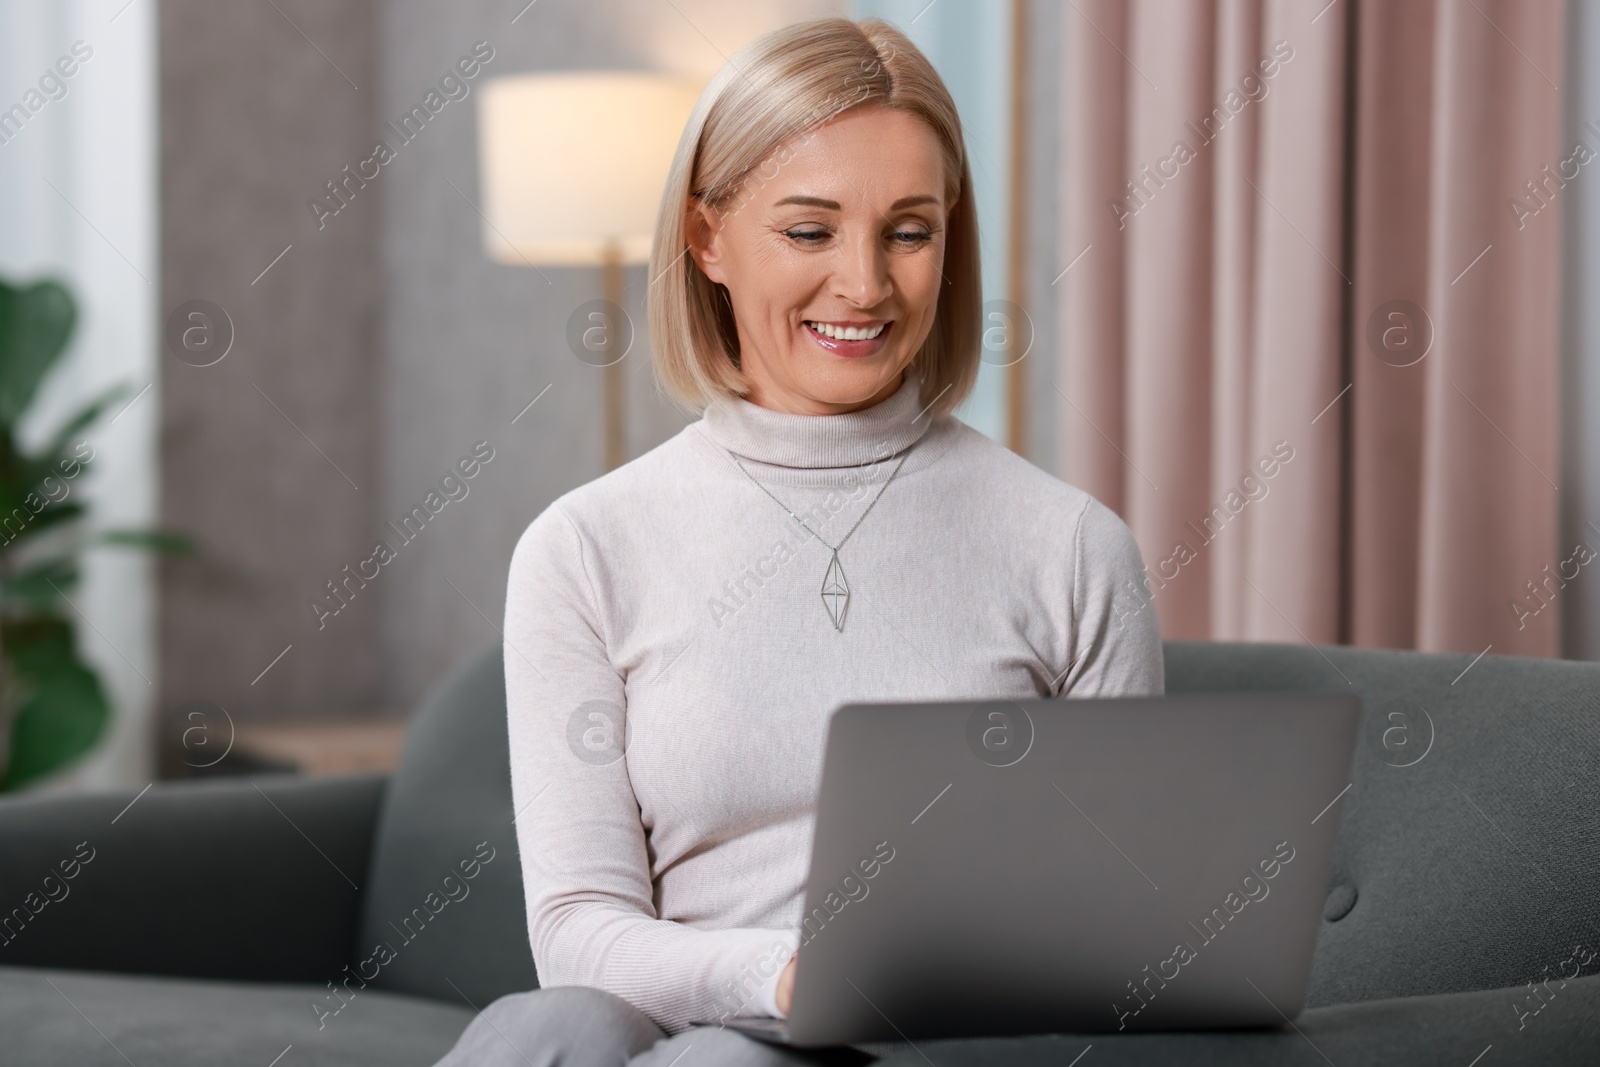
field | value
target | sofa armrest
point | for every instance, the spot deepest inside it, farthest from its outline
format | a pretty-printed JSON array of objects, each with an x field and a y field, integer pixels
[{"x": 257, "y": 878}]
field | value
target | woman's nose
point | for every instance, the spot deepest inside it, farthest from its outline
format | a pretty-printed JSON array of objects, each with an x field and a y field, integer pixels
[{"x": 863, "y": 273}]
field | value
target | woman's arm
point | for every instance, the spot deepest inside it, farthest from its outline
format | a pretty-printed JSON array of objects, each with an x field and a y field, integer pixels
[
  {"x": 585, "y": 860},
  {"x": 1116, "y": 639}
]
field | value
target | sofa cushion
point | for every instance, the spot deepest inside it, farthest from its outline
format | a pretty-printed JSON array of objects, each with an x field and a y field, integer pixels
[
  {"x": 447, "y": 816},
  {"x": 1451, "y": 1031},
  {"x": 1467, "y": 855},
  {"x": 87, "y": 1020}
]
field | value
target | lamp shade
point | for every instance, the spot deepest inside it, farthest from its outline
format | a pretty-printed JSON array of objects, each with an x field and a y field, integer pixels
[{"x": 573, "y": 163}]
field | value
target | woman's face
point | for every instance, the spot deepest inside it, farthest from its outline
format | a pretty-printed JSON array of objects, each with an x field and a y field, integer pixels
[{"x": 832, "y": 254}]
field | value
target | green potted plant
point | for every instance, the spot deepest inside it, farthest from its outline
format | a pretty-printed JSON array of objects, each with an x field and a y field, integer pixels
[{"x": 52, "y": 705}]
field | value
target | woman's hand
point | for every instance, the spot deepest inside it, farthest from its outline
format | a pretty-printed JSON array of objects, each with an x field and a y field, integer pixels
[{"x": 785, "y": 986}]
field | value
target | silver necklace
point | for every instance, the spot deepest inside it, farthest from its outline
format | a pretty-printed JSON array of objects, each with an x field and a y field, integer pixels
[{"x": 835, "y": 589}]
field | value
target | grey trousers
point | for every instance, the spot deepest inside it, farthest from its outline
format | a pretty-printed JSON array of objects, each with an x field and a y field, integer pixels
[{"x": 571, "y": 1026}]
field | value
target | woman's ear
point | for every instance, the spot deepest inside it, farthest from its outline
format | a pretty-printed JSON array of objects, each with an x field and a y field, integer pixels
[{"x": 704, "y": 232}]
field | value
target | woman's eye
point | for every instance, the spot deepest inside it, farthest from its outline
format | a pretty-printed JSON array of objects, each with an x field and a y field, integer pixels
[
  {"x": 807, "y": 236},
  {"x": 911, "y": 238}
]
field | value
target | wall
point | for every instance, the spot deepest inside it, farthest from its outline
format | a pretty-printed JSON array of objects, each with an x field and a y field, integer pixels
[
  {"x": 269, "y": 457},
  {"x": 469, "y": 343},
  {"x": 380, "y": 347}
]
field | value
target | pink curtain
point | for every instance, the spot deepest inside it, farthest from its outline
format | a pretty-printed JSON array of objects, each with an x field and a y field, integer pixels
[{"x": 1311, "y": 326}]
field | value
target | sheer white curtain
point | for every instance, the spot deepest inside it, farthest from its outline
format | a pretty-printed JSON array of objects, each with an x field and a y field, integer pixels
[{"x": 78, "y": 170}]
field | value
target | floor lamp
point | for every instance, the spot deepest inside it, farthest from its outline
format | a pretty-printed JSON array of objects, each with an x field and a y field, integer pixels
[{"x": 572, "y": 166}]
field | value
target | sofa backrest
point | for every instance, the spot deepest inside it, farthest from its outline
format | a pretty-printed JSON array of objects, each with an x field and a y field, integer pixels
[
  {"x": 1468, "y": 854},
  {"x": 1467, "y": 858},
  {"x": 447, "y": 816}
]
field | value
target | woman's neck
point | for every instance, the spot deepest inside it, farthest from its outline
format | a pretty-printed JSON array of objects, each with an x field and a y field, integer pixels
[
  {"x": 767, "y": 394},
  {"x": 865, "y": 435}
]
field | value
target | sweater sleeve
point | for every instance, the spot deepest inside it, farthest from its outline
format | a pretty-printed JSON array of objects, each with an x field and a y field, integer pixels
[
  {"x": 1116, "y": 637},
  {"x": 585, "y": 861}
]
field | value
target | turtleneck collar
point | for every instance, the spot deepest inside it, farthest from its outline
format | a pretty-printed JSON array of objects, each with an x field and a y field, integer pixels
[{"x": 818, "y": 441}]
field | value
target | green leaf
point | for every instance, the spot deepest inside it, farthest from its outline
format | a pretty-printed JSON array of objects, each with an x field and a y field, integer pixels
[
  {"x": 35, "y": 323},
  {"x": 153, "y": 540},
  {"x": 46, "y": 477},
  {"x": 15, "y": 527},
  {"x": 60, "y": 707},
  {"x": 61, "y": 720},
  {"x": 54, "y": 449},
  {"x": 40, "y": 586},
  {"x": 63, "y": 708},
  {"x": 37, "y": 646}
]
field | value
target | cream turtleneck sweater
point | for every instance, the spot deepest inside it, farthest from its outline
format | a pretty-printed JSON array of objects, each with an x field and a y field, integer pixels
[{"x": 671, "y": 666}]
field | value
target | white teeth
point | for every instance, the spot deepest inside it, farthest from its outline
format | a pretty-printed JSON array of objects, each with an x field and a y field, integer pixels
[{"x": 847, "y": 333}]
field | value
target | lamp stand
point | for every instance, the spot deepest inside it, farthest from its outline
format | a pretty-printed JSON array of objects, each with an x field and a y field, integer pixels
[{"x": 612, "y": 380}]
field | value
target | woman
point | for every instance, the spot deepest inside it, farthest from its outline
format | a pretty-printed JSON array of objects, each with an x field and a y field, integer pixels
[{"x": 678, "y": 631}]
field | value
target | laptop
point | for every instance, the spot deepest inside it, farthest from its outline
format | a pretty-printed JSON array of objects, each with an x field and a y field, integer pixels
[{"x": 1053, "y": 866}]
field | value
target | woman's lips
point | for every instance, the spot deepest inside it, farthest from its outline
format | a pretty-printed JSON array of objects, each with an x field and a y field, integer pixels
[{"x": 851, "y": 349}]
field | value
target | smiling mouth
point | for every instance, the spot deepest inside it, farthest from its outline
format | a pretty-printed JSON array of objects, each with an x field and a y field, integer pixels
[{"x": 865, "y": 332}]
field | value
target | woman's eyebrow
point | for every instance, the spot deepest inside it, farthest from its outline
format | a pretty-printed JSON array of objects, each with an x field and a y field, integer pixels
[
  {"x": 833, "y": 205},
  {"x": 809, "y": 201}
]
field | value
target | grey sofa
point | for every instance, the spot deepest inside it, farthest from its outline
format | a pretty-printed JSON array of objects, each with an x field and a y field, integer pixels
[{"x": 234, "y": 921}]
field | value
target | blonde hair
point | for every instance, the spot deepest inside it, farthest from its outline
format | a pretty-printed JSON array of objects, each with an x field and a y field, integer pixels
[{"x": 775, "y": 89}]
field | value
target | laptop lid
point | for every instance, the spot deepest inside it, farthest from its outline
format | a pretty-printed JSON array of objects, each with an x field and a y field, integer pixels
[{"x": 1010, "y": 867}]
